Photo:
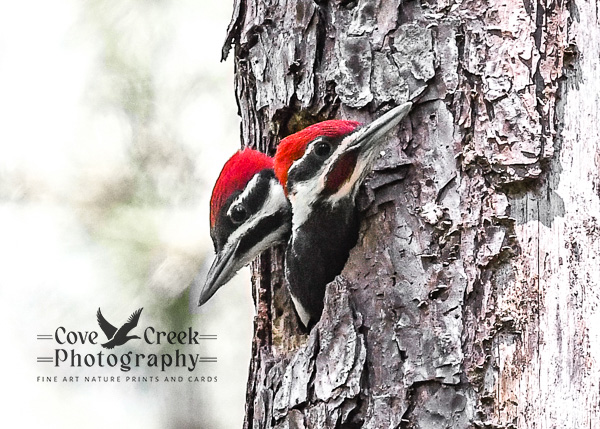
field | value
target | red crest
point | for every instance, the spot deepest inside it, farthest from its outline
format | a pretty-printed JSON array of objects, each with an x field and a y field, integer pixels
[
  {"x": 293, "y": 146},
  {"x": 235, "y": 175}
]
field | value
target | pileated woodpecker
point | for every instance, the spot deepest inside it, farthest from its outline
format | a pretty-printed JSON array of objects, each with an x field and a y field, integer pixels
[
  {"x": 248, "y": 214},
  {"x": 321, "y": 169}
]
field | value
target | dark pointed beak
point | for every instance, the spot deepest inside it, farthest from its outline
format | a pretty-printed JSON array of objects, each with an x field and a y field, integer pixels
[
  {"x": 221, "y": 271},
  {"x": 267, "y": 231},
  {"x": 366, "y": 137}
]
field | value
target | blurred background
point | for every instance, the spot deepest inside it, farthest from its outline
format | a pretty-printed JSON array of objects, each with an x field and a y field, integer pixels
[{"x": 115, "y": 119}]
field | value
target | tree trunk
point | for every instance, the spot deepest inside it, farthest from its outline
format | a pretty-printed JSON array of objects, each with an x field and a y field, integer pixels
[{"x": 470, "y": 298}]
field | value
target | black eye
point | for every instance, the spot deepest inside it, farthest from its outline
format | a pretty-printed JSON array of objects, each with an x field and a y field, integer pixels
[
  {"x": 238, "y": 214},
  {"x": 322, "y": 149}
]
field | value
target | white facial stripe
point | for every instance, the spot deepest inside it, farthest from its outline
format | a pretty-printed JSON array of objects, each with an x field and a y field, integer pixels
[
  {"x": 374, "y": 133},
  {"x": 364, "y": 165},
  {"x": 267, "y": 242},
  {"x": 245, "y": 193},
  {"x": 348, "y": 185},
  {"x": 319, "y": 184},
  {"x": 310, "y": 147},
  {"x": 305, "y": 193},
  {"x": 275, "y": 201},
  {"x": 302, "y": 313}
]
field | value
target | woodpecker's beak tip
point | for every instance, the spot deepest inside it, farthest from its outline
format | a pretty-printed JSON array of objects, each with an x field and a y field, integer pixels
[
  {"x": 220, "y": 272},
  {"x": 371, "y": 133}
]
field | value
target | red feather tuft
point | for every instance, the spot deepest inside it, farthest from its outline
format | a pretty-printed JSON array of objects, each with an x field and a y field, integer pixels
[
  {"x": 340, "y": 173},
  {"x": 235, "y": 175},
  {"x": 292, "y": 147}
]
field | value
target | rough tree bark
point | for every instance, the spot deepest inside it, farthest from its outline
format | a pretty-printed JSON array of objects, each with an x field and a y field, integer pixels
[{"x": 471, "y": 296}]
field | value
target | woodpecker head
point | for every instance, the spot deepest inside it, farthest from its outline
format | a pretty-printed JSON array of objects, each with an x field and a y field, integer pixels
[
  {"x": 248, "y": 214},
  {"x": 327, "y": 162}
]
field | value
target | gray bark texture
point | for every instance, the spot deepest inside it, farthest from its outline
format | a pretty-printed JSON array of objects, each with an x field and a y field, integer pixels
[{"x": 472, "y": 297}]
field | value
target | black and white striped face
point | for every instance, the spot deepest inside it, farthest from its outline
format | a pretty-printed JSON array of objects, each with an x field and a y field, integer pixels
[
  {"x": 250, "y": 221},
  {"x": 320, "y": 156},
  {"x": 332, "y": 169}
]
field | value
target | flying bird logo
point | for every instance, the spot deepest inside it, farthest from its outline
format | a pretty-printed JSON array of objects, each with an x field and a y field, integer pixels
[{"x": 118, "y": 337}]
